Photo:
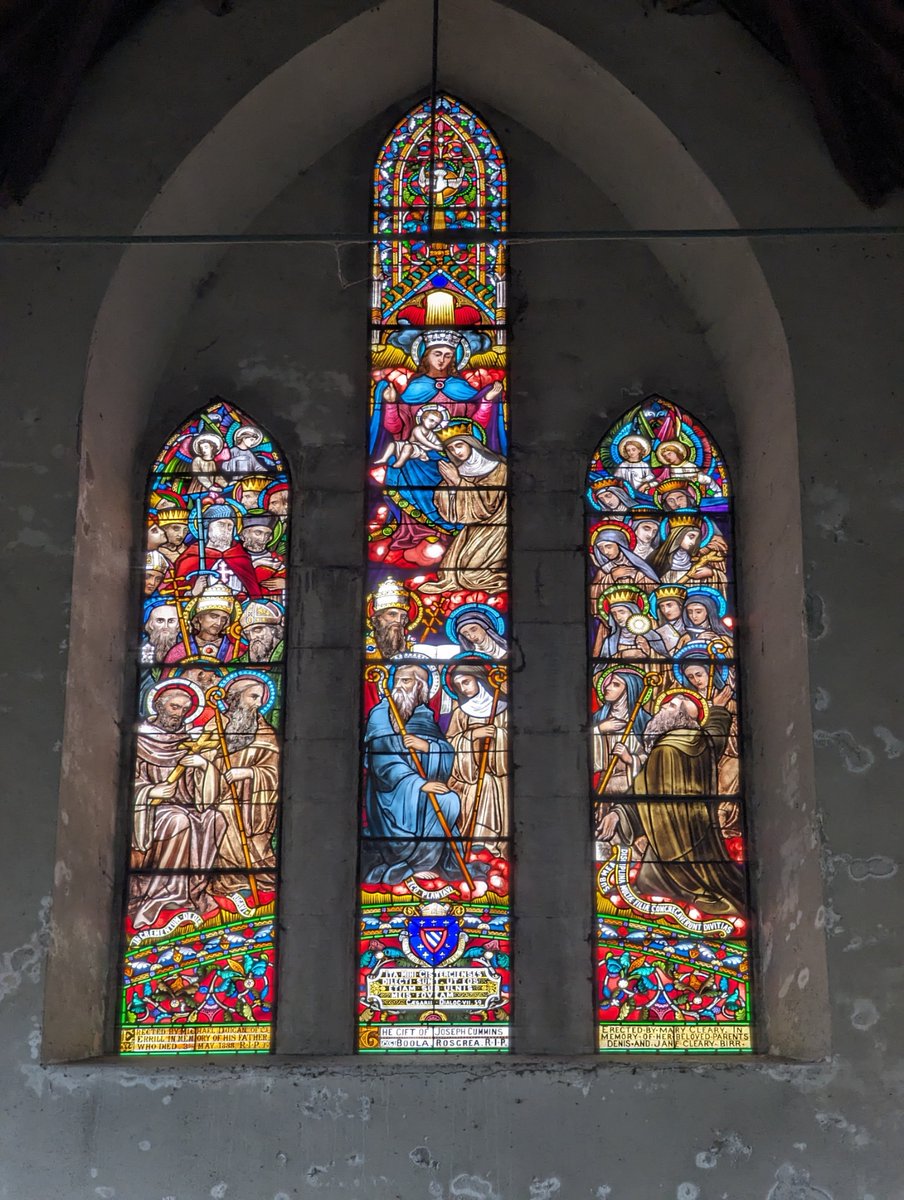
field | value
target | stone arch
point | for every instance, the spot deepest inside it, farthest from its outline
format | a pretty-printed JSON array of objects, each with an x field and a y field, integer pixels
[{"x": 245, "y": 160}]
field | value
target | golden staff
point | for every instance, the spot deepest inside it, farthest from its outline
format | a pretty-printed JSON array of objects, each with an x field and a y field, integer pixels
[
  {"x": 651, "y": 679},
  {"x": 495, "y": 675},
  {"x": 704, "y": 559},
  {"x": 716, "y": 646},
  {"x": 378, "y": 674},
  {"x": 180, "y": 612},
  {"x": 214, "y": 695}
]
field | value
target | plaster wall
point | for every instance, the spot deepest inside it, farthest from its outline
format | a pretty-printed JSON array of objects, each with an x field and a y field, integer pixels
[{"x": 281, "y": 330}]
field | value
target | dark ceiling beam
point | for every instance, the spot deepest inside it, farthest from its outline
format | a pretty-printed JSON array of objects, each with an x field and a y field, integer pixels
[
  {"x": 849, "y": 57},
  {"x": 847, "y": 54}
]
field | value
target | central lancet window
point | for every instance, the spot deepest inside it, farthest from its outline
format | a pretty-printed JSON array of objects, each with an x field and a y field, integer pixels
[{"x": 435, "y": 823}]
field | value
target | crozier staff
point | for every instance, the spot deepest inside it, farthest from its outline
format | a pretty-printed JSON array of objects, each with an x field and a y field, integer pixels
[
  {"x": 478, "y": 732},
  {"x": 409, "y": 804}
]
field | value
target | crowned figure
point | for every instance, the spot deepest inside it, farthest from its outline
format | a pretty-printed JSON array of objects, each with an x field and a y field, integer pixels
[
  {"x": 473, "y": 496},
  {"x": 440, "y": 354}
]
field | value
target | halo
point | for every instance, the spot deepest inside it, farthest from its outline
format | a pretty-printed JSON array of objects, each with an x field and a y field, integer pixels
[
  {"x": 410, "y": 659},
  {"x": 699, "y": 521},
  {"x": 207, "y": 435},
  {"x": 461, "y": 344},
  {"x": 472, "y": 657},
  {"x": 242, "y": 429},
  {"x": 714, "y": 594},
  {"x": 687, "y": 485},
  {"x": 628, "y": 435},
  {"x": 600, "y": 678},
  {"x": 694, "y": 653},
  {"x": 227, "y": 683},
  {"x": 695, "y": 697},
  {"x": 605, "y": 602},
  {"x": 182, "y": 685},
  {"x": 459, "y": 614},
  {"x": 674, "y": 442},
  {"x": 597, "y": 531},
  {"x": 597, "y": 486},
  {"x": 653, "y": 599},
  {"x": 173, "y": 671},
  {"x": 434, "y": 406},
  {"x": 277, "y": 484}
]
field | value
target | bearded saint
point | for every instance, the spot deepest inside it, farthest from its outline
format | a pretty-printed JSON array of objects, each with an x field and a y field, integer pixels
[
  {"x": 478, "y": 731},
  {"x": 404, "y": 835},
  {"x": 475, "y": 498},
  {"x": 172, "y": 830},
  {"x": 223, "y": 555},
  {"x": 685, "y": 858},
  {"x": 253, "y": 771},
  {"x": 390, "y": 626}
]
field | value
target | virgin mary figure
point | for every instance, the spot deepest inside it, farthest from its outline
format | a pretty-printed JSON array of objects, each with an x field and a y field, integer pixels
[{"x": 440, "y": 356}]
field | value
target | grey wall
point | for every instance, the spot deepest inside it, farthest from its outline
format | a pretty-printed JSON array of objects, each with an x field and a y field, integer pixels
[{"x": 281, "y": 331}]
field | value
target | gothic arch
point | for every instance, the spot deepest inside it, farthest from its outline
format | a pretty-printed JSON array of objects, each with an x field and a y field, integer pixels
[{"x": 244, "y": 162}]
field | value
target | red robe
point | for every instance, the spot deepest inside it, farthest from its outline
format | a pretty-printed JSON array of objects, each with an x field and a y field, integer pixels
[{"x": 237, "y": 559}]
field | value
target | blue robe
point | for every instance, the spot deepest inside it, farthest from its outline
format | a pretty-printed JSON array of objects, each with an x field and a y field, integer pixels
[
  {"x": 396, "y": 807},
  {"x": 453, "y": 389},
  {"x": 411, "y": 489}
]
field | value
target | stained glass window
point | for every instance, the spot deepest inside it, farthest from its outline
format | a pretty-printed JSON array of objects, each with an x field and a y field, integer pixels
[
  {"x": 672, "y": 913},
  {"x": 199, "y": 967},
  {"x": 434, "y": 829}
]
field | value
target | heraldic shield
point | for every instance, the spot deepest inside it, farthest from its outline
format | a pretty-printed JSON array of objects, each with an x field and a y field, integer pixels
[{"x": 435, "y": 939}]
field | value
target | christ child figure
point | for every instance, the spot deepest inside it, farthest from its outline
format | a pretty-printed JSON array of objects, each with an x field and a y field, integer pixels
[
  {"x": 634, "y": 468},
  {"x": 423, "y": 439}
]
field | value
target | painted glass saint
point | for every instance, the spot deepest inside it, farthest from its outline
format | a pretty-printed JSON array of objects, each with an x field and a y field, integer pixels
[
  {"x": 199, "y": 970},
  {"x": 672, "y": 911},
  {"x": 435, "y": 824}
]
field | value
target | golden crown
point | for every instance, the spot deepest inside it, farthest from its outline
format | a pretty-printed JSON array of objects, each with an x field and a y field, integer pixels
[
  {"x": 670, "y": 591},
  {"x": 673, "y": 485},
  {"x": 172, "y": 516},
  {"x": 627, "y": 593},
  {"x": 456, "y": 429},
  {"x": 678, "y": 520}
]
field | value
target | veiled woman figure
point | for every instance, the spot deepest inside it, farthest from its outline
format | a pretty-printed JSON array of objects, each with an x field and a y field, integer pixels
[
  {"x": 683, "y": 559},
  {"x": 474, "y": 497},
  {"x": 619, "y": 692},
  {"x": 478, "y": 731}
]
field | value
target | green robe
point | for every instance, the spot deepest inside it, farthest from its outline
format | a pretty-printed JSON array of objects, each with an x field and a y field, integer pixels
[{"x": 686, "y": 859}]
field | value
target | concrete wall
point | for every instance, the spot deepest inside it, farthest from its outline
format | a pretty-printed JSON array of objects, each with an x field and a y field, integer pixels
[{"x": 281, "y": 330}]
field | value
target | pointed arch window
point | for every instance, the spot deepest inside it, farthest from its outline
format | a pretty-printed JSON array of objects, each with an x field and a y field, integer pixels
[
  {"x": 199, "y": 952},
  {"x": 435, "y": 823},
  {"x": 672, "y": 909}
]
